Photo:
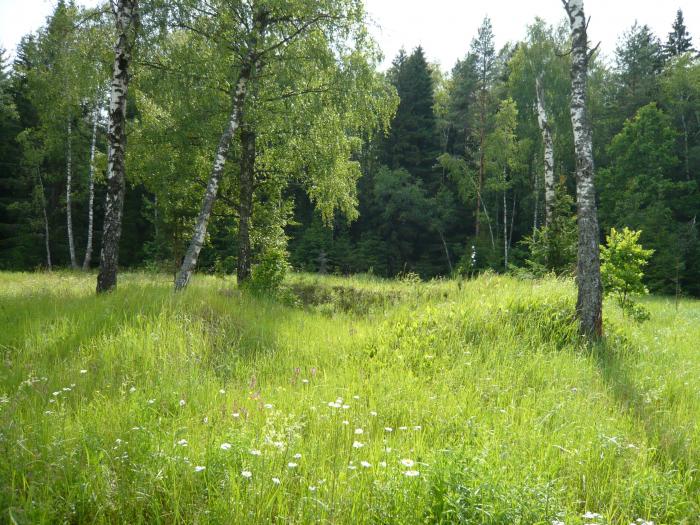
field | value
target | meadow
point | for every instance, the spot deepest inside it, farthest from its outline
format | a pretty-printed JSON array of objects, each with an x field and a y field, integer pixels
[{"x": 354, "y": 400}]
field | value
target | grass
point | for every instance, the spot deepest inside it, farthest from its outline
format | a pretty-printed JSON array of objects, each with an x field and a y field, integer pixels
[{"x": 108, "y": 405}]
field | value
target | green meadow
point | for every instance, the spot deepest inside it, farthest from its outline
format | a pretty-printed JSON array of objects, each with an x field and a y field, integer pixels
[{"x": 349, "y": 400}]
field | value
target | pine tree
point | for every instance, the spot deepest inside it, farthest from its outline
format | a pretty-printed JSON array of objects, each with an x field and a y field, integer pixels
[{"x": 679, "y": 39}]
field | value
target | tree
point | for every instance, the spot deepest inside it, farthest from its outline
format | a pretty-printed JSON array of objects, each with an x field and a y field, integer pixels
[
  {"x": 589, "y": 304},
  {"x": 622, "y": 270},
  {"x": 126, "y": 17},
  {"x": 679, "y": 40}
]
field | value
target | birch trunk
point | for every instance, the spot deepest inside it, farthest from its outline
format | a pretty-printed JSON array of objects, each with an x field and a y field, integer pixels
[
  {"x": 589, "y": 305},
  {"x": 69, "y": 192},
  {"x": 505, "y": 222},
  {"x": 548, "y": 152},
  {"x": 245, "y": 206},
  {"x": 91, "y": 192},
  {"x": 200, "y": 230},
  {"x": 126, "y": 15},
  {"x": 46, "y": 222}
]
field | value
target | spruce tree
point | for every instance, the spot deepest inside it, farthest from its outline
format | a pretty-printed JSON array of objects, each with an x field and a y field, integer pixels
[{"x": 679, "y": 39}]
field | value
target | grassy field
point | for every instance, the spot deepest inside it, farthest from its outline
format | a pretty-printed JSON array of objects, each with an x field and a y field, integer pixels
[{"x": 367, "y": 402}]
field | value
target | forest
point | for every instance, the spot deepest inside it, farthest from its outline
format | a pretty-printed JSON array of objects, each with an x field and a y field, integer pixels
[{"x": 251, "y": 271}]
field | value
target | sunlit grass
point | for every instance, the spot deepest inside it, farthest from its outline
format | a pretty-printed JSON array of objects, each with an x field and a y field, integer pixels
[{"x": 375, "y": 402}]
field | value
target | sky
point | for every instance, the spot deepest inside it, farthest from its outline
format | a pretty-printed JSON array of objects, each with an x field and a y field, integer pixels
[{"x": 444, "y": 28}]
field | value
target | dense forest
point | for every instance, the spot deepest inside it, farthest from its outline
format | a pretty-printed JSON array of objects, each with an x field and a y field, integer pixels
[{"x": 337, "y": 166}]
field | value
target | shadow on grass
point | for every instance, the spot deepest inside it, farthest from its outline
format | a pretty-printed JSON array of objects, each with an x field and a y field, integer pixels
[{"x": 673, "y": 451}]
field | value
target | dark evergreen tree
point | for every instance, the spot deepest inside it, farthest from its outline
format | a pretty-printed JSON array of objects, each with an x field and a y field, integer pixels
[{"x": 679, "y": 40}]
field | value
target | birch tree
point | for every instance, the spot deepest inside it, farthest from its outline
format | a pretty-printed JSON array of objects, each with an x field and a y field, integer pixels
[
  {"x": 548, "y": 157},
  {"x": 126, "y": 17},
  {"x": 589, "y": 305}
]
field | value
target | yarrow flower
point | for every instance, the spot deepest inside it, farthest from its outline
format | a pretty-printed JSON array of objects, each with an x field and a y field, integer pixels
[
  {"x": 591, "y": 515},
  {"x": 268, "y": 405},
  {"x": 359, "y": 431},
  {"x": 83, "y": 371},
  {"x": 226, "y": 446},
  {"x": 297, "y": 456},
  {"x": 256, "y": 452},
  {"x": 388, "y": 429},
  {"x": 182, "y": 443},
  {"x": 411, "y": 473},
  {"x": 247, "y": 474},
  {"x": 365, "y": 464},
  {"x": 357, "y": 444},
  {"x": 182, "y": 402},
  {"x": 291, "y": 464},
  {"x": 199, "y": 468},
  {"x": 407, "y": 462},
  {"x": 276, "y": 481}
]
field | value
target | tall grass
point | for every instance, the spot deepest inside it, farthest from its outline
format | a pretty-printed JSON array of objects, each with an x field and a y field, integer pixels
[{"x": 369, "y": 401}]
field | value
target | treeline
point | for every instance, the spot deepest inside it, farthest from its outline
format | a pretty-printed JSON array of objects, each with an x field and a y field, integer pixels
[{"x": 329, "y": 169}]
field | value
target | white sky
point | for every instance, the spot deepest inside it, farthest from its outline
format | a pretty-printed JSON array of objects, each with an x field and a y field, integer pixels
[{"x": 444, "y": 28}]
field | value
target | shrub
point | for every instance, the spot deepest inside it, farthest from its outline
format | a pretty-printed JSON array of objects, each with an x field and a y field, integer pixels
[{"x": 623, "y": 260}]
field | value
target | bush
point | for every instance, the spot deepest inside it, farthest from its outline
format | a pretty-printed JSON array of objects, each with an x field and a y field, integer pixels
[
  {"x": 268, "y": 275},
  {"x": 623, "y": 260}
]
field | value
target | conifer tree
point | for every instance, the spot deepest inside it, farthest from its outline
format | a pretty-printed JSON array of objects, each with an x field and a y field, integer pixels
[{"x": 679, "y": 40}]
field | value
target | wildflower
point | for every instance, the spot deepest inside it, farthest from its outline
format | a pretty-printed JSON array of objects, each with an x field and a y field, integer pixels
[
  {"x": 346, "y": 422},
  {"x": 373, "y": 413},
  {"x": 226, "y": 446},
  {"x": 151, "y": 401},
  {"x": 52, "y": 400},
  {"x": 388, "y": 429},
  {"x": 356, "y": 397},
  {"x": 365, "y": 464},
  {"x": 305, "y": 381},
  {"x": 182, "y": 402},
  {"x": 132, "y": 389},
  {"x": 199, "y": 468},
  {"x": 403, "y": 428},
  {"x": 411, "y": 473},
  {"x": 382, "y": 464},
  {"x": 291, "y": 464},
  {"x": 312, "y": 488},
  {"x": 256, "y": 452},
  {"x": 276, "y": 481},
  {"x": 334, "y": 405},
  {"x": 83, "y": 371},
  {"x": 557, "y": 522},
  {"x": 247, "y": 474},
  {"x": 205, "y": 420},
  {"x": 408, "y": 462},
  {"x": 417, "y": 427},
  {"x": 236, "y": 414},
  {"x": 640, "y": 521},
  {"x": 67, "y": 389},
  {"x": 297, "y": 456},
  {"x": 182, "y": 443},
  {"x": 351, "y": 467},
  {"x": 357, "y": 444},
  {"x": 268, "y": 405},
  {"x": 56, "y": 393},
  {"x": 345, "y": 407},
  {"x": 591, "y": 515},
  {"x": 359, "y": 431}
]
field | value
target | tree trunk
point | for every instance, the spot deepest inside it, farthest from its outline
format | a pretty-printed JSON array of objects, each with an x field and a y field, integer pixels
[
  {"x": 505, "y": 222},
  {"x": 126, "y": 15},
  {"x": 685, "y": 148},
  {"x": 589, "y": 305},
  {"x": 200, "y": 229},
  {"x": 46, "y": 222},
  {"x": 548, "y": 152},
  {"x": 69, "y": 191},
  {"x": 91, "y": 191},
  {"x": 245, "y": 206}
]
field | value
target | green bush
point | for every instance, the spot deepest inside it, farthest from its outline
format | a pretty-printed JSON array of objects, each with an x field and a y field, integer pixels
[
  {"x": 268, "y": 275},
  {"x": 623, "y": 260}
]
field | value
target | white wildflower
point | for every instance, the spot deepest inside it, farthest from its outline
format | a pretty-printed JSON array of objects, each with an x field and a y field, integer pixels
[
  {"x": 373, "y": 413},
  {"x": 256, "y": 452},
  {"x": 591, "y": 515},
  {"x": 357, "y": 444},
  {"x": 297, "y": 456},
  {"x": 365, "y": 464},
  {"x": 182, "y": 443},
  {"x": 83, "y": 371},
  {"x": 247, "y": 474},
  {"x": 226, "y": 446},
  {"x": 346, "y": 422},
  {"x": 268, "y": 405},
  {"x": 199, "y": 468},
  {"x": 408, "y": 462},
  {"x": 276, "y": 481},
  {"x": 132, "y": 389},
  {"x": 388, "y": 429},
  {"x": 411, "y": 473},
  {"x": 359, "y": 431},
  {"x": 291, "y": 464},
  {"x": 182, "y": 402}
]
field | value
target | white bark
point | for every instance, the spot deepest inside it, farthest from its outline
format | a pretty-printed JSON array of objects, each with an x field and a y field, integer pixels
[
  {"x": 126, "y": 19},
  {"x": 505, "y": 222},
  {"x": 69, "y": 181},
  {"x": 200, "y": 230},
  {"x": 548, "y": 152},
  {"x": 589, "y": 305},
  {"x": 91, "y": 191}
]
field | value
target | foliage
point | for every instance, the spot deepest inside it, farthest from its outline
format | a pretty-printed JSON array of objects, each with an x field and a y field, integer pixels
[
  {"x": 622, "y": 270},
  {"x": 269, "y": 273},
  {"x": 553, "y": 248}
]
